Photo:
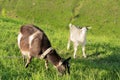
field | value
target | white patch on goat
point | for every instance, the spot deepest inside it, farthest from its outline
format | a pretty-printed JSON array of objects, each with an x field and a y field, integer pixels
[
  {"x": 19, "y": 39},
  {"x": 32, "y": 37},
  {"x": 25, "y": 53},
  {"x": 59, "y": 64}
]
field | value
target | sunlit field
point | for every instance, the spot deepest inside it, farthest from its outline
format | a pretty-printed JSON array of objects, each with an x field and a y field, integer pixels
[{"x": 103, "y": 39}]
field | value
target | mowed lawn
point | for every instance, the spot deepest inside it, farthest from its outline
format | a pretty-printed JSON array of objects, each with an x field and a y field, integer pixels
[{"x": 53, "y": 17}]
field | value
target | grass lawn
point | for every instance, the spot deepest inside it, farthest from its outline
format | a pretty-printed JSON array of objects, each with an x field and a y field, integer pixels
[{"x": 103, "y": 40}]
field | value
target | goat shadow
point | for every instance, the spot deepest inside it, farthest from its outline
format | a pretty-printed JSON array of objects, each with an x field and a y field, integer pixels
[{"x": 105, "y": 57}]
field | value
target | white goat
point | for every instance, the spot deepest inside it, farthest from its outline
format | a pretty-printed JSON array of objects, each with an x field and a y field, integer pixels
[{"x": 77, "y": 36}]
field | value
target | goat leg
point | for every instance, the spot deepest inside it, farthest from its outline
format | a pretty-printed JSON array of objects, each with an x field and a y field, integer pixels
[
  {"x": 68, "y": 45},
  {"x": 75, "y": 49},
  {"x": 46, "y": 64},
  {"x": 28, "y": 61},
  {"x": 83, "y": 51}
]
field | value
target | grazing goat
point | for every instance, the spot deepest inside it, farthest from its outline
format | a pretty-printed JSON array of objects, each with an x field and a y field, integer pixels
[
  {"x": 33, "y": 42},
  {"x": 77, "y": 36}
]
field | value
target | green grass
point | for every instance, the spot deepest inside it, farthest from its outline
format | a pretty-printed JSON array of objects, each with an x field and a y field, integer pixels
[{"x": 103, "y": 40}]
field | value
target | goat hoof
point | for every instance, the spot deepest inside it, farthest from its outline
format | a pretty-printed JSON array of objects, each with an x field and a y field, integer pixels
[
  {"x": 67, "y": 48},
  {"x": 85, "y": 56},
  {"x": 47, "y": 68},
  {"x": 74, "y": 57},
  {"x": 26, "y": 66}
]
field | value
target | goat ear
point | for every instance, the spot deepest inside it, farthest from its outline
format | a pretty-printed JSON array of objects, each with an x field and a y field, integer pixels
[
  {"x": 70, "y": 24},
  {"x": 67, "y": 60},
  {"x": 89, "y": 28}
]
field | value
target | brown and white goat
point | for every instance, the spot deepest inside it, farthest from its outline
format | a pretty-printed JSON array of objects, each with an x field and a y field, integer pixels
[
  {"x": 33, "y": 42},
  {"x": 77, "y": 36}
]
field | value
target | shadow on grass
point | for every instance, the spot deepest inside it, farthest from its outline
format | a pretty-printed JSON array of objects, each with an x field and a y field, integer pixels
[{"x": 105, "y": 57}]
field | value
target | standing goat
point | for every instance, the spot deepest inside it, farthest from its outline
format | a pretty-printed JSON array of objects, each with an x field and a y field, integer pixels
[
  {"x": 77, "y": 36},
  {"x": 33, "y": 42}
]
